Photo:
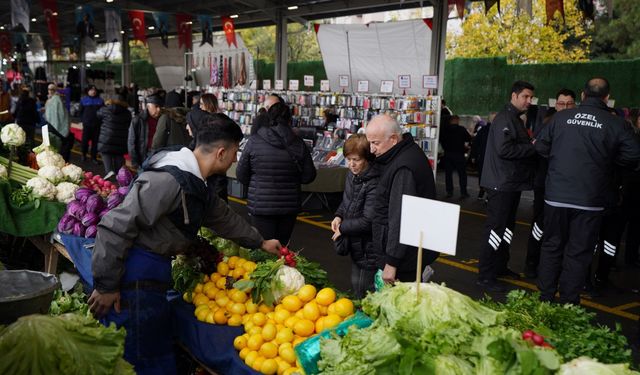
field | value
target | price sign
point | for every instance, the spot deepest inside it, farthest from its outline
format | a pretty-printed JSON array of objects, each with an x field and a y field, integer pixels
[
  {"x": 344, "y": 81},
  {"x": 363, "y": 86},
  {"x": 324, "y": 85},
  {"x": 253, "y": 84},
  {"x": 293, "y": 84},
  {"x": 429, "y": 82},
  {"x": 308, "y": 81},
  {"x": 266, "y": 84},
  {"x": 386, "y": 86},
  {"x": 404, "y": 81},
  {"x": 279, "y": 84}
]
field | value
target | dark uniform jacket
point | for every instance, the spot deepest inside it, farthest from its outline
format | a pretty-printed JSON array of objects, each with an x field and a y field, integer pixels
[
  {"x": 89, "y": 107},
  {"x": 274, "y": 163},
  {"x": 115, "y": 119},
  {"x": 138, "y": 137},
  {"x": 509, "y": 160},
  {"x": 583, "y": 146},
  {"x": 357, "y": 212}
]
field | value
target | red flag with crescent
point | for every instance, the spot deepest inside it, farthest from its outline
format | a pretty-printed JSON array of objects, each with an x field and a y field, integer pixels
[
  {"x": 5, "y": 43},
  {"x": 50, "y": 8},
  {"x": 136, "y": 17},
  {"x": 229, "y": 31},
  {"x": 184, "y": 21}
]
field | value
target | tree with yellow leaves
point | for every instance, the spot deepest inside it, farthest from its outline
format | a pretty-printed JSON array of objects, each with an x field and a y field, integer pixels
[{"x": 520, "y": 38}]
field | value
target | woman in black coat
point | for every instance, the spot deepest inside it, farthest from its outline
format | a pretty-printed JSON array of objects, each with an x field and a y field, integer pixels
[
  {"x": 115, "y": 118},
  {"x": 26, "y": 114},
  {"x": 352, "y": 224},
  {"x": 274, "y": 163}
]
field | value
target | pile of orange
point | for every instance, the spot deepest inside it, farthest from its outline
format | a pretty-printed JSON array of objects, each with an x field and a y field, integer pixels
[{"x": 269, "y": 339}]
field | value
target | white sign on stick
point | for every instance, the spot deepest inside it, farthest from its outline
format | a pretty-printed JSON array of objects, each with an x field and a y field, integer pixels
[
  {"x": 438, "y": 222},
  {"x": 45, "y": 135}
]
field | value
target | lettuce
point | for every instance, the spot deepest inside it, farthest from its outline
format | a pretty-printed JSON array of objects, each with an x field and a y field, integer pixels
[
  {"x": 584, "y": 365},
  {"x": 65, "y": 344}
]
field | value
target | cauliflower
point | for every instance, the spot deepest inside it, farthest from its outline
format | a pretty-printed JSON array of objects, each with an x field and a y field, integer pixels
[
  {"x": 73, "y": 173},
  {"x": 42, "y": 188},
  {"x": 12, "y": 135},
  {"x": 51, "y": 173},
  {"x": 3, "y": 171},
  {"x": 288, "y": 280},
  {"x": 49, "y": 157},
  {"x": 66, "y": 191}
]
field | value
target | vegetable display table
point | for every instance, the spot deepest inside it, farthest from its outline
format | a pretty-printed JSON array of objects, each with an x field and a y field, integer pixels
[{"x": 30, "y": 219}]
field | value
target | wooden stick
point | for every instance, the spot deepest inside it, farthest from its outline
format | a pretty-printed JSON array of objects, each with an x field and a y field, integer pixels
[{"x": 419, "y": 270}]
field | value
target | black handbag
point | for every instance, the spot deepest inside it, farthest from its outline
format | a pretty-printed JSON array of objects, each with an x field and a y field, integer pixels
[{"x": 342, "y": 246}]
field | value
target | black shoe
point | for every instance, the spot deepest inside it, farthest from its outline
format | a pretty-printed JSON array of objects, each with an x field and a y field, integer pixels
[
  {"x": 491, "y": 285},
  {"x": 509, "y": 273}
]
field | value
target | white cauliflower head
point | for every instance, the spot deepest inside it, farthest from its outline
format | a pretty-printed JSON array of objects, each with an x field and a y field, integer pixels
[
  {"x": 49, "y": 157},
  {"x": 12, "y": 135},
  {"x": 287, "y": 281},
  {"x": 72, "y": 173},
  {"x": 51, "y": 173},
  {"x": 66, "y": 191},
  {"x": 3, "y": 171},
  {"x": 42, "y": 188}
]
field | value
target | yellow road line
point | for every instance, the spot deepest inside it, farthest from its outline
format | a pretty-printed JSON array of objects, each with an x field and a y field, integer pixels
[
  {"x": 627, "y": 306},
  {"x": 474, "y": 213},
  {"x": 309, "y": 216},
  {"x": 325, "y": 222},
  {"x": 618, "y": 311}
]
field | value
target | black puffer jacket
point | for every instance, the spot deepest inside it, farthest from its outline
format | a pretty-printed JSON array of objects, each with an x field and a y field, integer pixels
[
  {"x": 357, "y": 212},
  {"x": 115, "y": 119},
  {"x": 272, "y": 174}
]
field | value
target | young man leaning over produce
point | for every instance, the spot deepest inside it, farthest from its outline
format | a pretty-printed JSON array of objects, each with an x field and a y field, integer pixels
[{"x": 160, "y": 216}]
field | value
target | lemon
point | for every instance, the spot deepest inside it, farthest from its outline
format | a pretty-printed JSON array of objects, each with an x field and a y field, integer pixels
[
  {"x": 200, "y": 299},
  {"x": 259, "y": 319},
  {"x": 220, "y": 316},
  {"x": 264, "y": 308},
  {"x": 310, "y": 311},
  {"x": 307, "y": 293},
  {"x": 344, "y": 307},
  {"x": 221, "y": 283},
  {"x": 243, "y": 353},
  {"x": 291, "y": 303},
  {"x": 211, "y": 292},
  {"x": 320, "y": 324},
  {"x": 198, "y": 288},
  {"x": 187, "y": 297},
  {"x": 223, "y": 268},
  {"x": 268, "y": 350},
  {"x": 282, "y": 365},
  {"x": 299, "y": 314},
  {"x": 269, "y": 366},
  {"x": 238, "y": 273},
  {"x": 201, "y": 313},
  {"x": 252, "y": 308},
  {"x": 255, "y": 330},
  {"x": 298, "y": 340},
  {"x": 248, "y": 325},
  {"x": 255, "y": 342},
  {"x": 238, "y": 296},
  {"x": 249, "y": 266},
  {"x": 215, "y": 277},
  {"x": 304, "y": 328},
  {"x": 269, "y": 332},
  {"x": 292, "y": 371},
  {"x": 208, "y": 286},
  {"x": 238, "y": 308},
  {"x": 257, "y": 364},
  {"x": 222, "y": 301},
  {"x": 326, "y": 296},
  {"x": 281, "y": 315},
  {"x": 288, "y": 354},
  {"x": 331, "y": 321},
  {"x": 251, "y": 357},
  {"x": 285, "y": 335},
  {"x": 291, "y": 321},
  {"x": 240, "y": 342},
  {"x": 210, "y": 317},
  {"x": 233, "y": 261},
  {"x": 235, "y": 320},
  {"x": 331, "y": 309}
]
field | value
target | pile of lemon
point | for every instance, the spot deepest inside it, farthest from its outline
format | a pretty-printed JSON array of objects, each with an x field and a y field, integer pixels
[
  {"x": 269, "y": 339},
  {"x": 216, "y": 301}
]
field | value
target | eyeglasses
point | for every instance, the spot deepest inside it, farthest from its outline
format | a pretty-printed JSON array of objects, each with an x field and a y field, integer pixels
[{"x": 565, "y": 104}]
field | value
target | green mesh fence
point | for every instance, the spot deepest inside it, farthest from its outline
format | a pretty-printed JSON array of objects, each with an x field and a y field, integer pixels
[
  {"x": 479, "y": 86},
  {"x": 142, "y": 72}
]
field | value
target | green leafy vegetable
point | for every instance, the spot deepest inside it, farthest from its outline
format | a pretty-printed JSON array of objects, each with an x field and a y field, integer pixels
[
  {"x": 66, "y": 344},
  {"x": 22, "y": 196},
  {"x": 63, "y": 302},
  {"x": 261, "y": 282},
  {"x": 185, "y": 272},
  {"x": 584, "y": 365}
]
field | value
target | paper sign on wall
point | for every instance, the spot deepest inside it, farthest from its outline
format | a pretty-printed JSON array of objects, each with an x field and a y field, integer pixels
[
  {"x": 386, "y": 86},
  {"x": 308, "y": 81},
  {"x": 363, "y": 86},
  {"x": 266, "y": 84},
  {"x": 324, "y": 85},
  {"x": 293, "y": 84},
  {"x": 438, "y": 222},
  {"x": 279, "y": 84},
  {"x": 404, "y": 81},
  {"x": 429, "y": 82},
  {"x": 344, "y": 81}
]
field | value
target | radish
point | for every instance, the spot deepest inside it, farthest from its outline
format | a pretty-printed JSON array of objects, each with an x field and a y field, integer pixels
[{"x": 537, "y": 339}]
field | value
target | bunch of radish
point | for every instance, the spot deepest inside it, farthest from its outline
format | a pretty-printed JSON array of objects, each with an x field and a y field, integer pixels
[
  {"x": 536, "y": 339},
  {"x": 98, "y": 184},
  {"x": 288, "y": 256}
]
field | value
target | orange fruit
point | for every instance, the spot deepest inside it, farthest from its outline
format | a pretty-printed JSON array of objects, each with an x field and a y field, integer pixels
[
  {"x": 269, "y": 366},
  {"x": 291, "y": 303},
  {"x": 240, "y": 342},
  {"x": 223, "y": 268},
  {"x": 326, "y": 296},
  {"x": 331, "y": 321},
  {"x": 268, "y": 350},
  {"x": 344, "y": 307},
  {"x": 304, "y": 328},
  {"x": 307, "y": 293},
  {"x": 220, "y": 316}
]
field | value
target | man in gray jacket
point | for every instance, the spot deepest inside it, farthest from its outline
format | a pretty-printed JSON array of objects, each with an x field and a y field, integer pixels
[{"x": 160, "y": 217}]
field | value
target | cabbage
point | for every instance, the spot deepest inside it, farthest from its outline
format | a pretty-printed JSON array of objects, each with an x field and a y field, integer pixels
[
  {"x": 123, "y": 190},
  {"x": 83, "y": 193},
  {"x": 67, "y": 344},
  {"x": 94, "y": 203},
  {"x": 584, "y": 365},
  {"x": 91, "y": 231},
  {"x": 89, "y": 219},
  {"x": 114, "y": 200},
  {"x": 78, "y": 229},
  {"x": 124, "y": 176},
  {"x": 76, "y": 209},
  {"x": 66, "y": 223},
  {"x": 103, "y": 212},
  {"x": 287, "y": 281}
]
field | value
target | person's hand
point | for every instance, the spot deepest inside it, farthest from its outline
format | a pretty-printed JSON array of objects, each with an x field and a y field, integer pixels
[
  {"x": 335, "y": 224},
  {"x": 101, "y": 303},
  {"x": 271, "y": 246},
  {"x": 336, "y": 234},
  {"x": 389, "y": 274}
]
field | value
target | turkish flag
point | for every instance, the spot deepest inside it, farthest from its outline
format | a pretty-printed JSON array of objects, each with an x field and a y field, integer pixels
[
  {"x": 136, "y": 17},
  {"x": 428, "y": 22},
  {"x": 5, "y": 43},
  {"x": 229, "y": 31},
  {"x": 50, "y": 8},
  {"x": 552, "y": 6},
  {"x": 183, "y": 21}
]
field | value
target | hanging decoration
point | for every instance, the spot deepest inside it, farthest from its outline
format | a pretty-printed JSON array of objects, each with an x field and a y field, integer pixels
[
  {"x": 5, "y": 43},
  {"x": 488, "y": 4},
  {"x": 229, "y": 31},
  {"x": 587, "y": 8},
  {"x": 552, "y": 7},
  {"x": 136, "y": 17},
  {"x": 183, "y": 21},
  {"x": 207, "y": 33},
  {"x": 524, "y": 6},
  {"x": 428, "y": 22},
  {"x": 50, "y": 8},
  {"x": 113, "y": 24},
  {"x": 85, "y": 21},
  {"x": 242, "y": 77},
  {"x": 162, "y": 23},
  {"x": 20, "y": 15}
]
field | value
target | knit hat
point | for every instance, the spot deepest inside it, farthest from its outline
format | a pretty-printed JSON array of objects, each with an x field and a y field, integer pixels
[{"x": 154, "y": 99}]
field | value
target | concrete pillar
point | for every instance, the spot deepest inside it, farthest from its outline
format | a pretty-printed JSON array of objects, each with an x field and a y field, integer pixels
[
  {"x": 438, "y": 42},
  {"x": 282, "y": 47},
  {"x": 126, "y": 61}
]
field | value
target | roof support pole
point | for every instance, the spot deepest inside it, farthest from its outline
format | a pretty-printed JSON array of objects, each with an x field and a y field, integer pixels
[
  {"x": 282, "y": 46},
  {"x": 126, "y": 61},
  {"x": 438, "y": 41}
]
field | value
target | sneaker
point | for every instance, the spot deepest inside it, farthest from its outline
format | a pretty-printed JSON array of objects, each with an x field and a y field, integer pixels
[
  {"x": 491, "y": 285},
  {"x": 509, "y": 274}
]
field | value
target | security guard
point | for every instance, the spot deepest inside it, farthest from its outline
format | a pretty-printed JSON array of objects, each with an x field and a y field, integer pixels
[
  {"x": 583, "y": 145},
  {"x": 508, "y": 168}
]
